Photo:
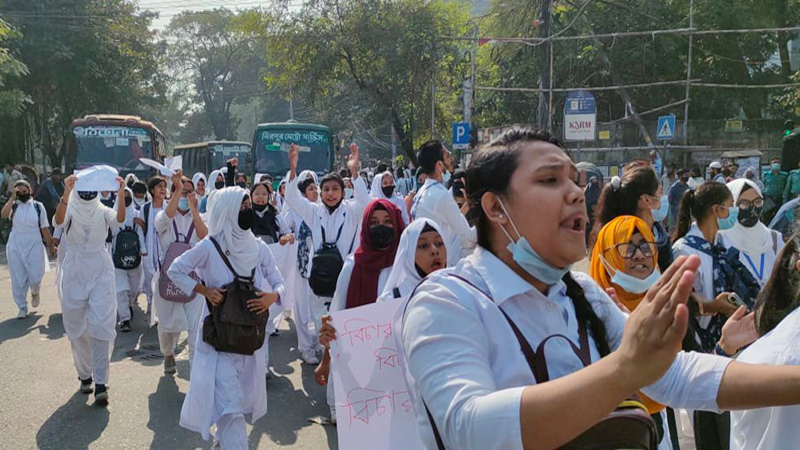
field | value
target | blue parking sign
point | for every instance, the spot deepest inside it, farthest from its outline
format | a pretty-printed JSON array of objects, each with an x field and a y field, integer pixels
[{"x": 461, "y": 135}]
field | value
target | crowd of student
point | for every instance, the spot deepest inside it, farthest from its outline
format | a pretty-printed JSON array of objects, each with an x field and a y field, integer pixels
[{"x": 686, "y": 305}]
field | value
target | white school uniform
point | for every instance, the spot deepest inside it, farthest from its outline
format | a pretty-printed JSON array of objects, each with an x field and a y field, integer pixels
[
  {"x": 175, "y": 317},
  {"x": 377, "y": 193},
  {"x": 464, "y": 358},
  {"x": 776, "y": 427},
  {"x": 347, "y": 217},
  {"x": 27, "y": 256},
  {"x": 86, "y": 288},
  {"x": 704, "y": 277},
  {"x": 127, "y": 282},
  {"x": 269, "y": 270},
  {"x": 151, "y": 261},
  {"x": 435, "y": 202}
]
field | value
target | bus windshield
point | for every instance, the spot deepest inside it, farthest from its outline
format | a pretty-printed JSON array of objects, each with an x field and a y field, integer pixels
[
  {"x": 117, "y": 146},
  {"x": 223, "y": 152},
  {"x": 272, "y": 150}
]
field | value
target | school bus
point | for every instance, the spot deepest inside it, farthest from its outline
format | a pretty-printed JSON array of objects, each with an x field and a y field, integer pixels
[
  {"x": 114, "y": 140},
  {"x": 271, "y": 143}
]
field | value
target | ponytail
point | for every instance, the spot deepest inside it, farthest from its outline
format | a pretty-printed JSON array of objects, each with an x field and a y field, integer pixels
[
  {"x": 684, "y": 215},
  {"x": 585, "y": 313},
  {"x": 781, "y": 295}
]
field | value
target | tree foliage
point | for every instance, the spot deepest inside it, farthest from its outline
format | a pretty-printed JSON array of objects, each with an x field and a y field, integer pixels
[{"x": 12, "y": 101}]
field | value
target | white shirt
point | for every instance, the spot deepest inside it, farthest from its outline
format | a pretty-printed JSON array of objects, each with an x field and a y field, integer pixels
[
  {"x": 166, "y": 232},
  {"x": 467, "y": 364},
  {"x": 770, "y": 428},
  {"x": 434, "y": 202},
  {"x": 151, "y": 244},
  {"x": 25, "y": 219},
  {"x": 704, "y": 278},
  {"x": 339, "y": 301},
  {"x": 347, "y": 216}
]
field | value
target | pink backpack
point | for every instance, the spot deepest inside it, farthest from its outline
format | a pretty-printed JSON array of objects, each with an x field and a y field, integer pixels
[{"x": 166, "y": 288}]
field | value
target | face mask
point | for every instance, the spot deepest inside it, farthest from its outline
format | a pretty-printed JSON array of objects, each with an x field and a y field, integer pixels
[
  {"x": 87, "y": 195},
  {"x": 128, "y": 201},
  {"x": 749, "y": 217},
  {"x": 730, "y": 221},
  {"x": 348, "y": 192},
  {"x": 446, "y": 176},
  {"x": 241, "y": 184},
  {"x": 776, "y": 166},
  {"x": 246, "y": 218},
  {"x": 660, "y": 213},
  {"x": 139, "y": 201},
  {"x": 388, "y": 191},
  {"x": 23, "y": 197},
  {"x": 219, "y": 184},
  {"x": 259, "y": 208},
  {"x": 183, "y": 204},
  {"x": 381, "y": 236},
  {"x": 529, "y": 260},
  {"x": 630, "y": 283}
]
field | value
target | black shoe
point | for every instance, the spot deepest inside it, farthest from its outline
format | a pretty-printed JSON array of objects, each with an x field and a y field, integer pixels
[
  {"x": 86, "y": 386},
  {"x": 125, "y": 326},
  {"x": 100, "y": 394},
  {"x": 274, "y": 333}
]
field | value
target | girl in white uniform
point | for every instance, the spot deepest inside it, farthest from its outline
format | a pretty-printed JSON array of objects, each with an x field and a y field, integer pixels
[
  {"x": 86, "y": 283},
  {"x": 127, "y": 281},
  {"x": 335, "y": 216},
  {"x": 151, "y": 252},
  {"x": 465, "y": 358},
  {"x": 758, "y": 245},
  {"x": 383, "y": 187},
  {"x": 179, "y": 221},
  {"x": 27, "y": 257},
  {"x": 226, "y": 386},
  {"x": 199, "y": 181}
]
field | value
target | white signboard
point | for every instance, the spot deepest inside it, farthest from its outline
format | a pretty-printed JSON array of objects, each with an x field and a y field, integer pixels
[
  {"x": 373, "y": 407},
  {"x": 580, "y": 127}
]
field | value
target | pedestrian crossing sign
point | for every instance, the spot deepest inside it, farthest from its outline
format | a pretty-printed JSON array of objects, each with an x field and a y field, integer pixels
[{"x": 666, "y": 127}]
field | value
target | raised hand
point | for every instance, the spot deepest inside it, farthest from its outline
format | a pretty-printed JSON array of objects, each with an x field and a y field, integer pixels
[
  {"x": 121, "y": 191},
  {"x": 69, "y": 184},
  {"x": 192, "y": 202},
  {"x": 177, "y": 179},
  {"x": 327, "y": 332},
  {"x": 294, "y": 154},
  {"x": 353, "y": 160},
  {"x": 739, "y": 330}
]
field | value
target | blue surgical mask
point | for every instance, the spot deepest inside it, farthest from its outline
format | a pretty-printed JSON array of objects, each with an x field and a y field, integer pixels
[
  {"x": 660, "y": 213},
  {"x": 183, "y": 204},
  {"x": 776, "y": 166},
  {"x": 730, "y": 221},
  {"x": 529, "y": 260},
  {"x": 630, "y": 283}
]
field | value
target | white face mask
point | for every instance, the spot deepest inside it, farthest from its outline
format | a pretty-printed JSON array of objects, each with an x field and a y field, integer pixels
[{"x": 630, "y": 283}]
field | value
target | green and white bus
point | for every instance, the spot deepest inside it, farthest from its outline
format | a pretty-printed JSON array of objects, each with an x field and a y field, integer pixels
[{"x": 271, "y": 143}]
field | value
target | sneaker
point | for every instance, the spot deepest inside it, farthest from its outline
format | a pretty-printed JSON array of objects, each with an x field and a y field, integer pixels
[
  {"x": 269, "y": 374},
  {"x": 131, "y": 308},
  {"x": 125, "y": 326},
  {"x": 309, "y": 357},
  {"x": 35, "y": 299},
  {"x": 86, "y": 386},
  {"x": 169, "y": 365},
  {"x": 100, "y": 394},
  {"x": 23, "y": 313},
  {"x": 274, "y": 333}
]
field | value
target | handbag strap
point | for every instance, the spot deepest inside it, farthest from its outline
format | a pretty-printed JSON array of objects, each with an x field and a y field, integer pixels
[
  {"x": 227, "y": 261},
  {"x": 178, "y": 235}
]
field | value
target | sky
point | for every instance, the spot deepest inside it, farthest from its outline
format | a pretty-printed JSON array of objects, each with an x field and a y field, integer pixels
[{"x": 169, "y": 8}]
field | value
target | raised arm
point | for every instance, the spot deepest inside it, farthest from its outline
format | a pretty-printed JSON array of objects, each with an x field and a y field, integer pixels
[
  {"x": 6, "y": 212},
  {"x": 61, "y": 211},
  {"x": 360, "y": 195},
  {"x": 177, "y": 185},
  {"x": 199, "y": 226},
  {"x": 294, "y": 199},
  {"x": 450, "y": 212},
  {"x": 121, "y": 202}
]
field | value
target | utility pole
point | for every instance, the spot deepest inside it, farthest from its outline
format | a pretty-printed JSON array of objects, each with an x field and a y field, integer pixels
[
  {"x": 688, "y": 76},
  {"x": 544, "y": 70}
]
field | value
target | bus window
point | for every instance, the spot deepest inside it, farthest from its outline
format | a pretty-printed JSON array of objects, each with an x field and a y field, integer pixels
[{"x": 116, "y": 146}]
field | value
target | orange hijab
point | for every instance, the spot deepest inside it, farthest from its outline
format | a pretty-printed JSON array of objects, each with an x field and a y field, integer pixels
[{"x": 619, "y": 231}]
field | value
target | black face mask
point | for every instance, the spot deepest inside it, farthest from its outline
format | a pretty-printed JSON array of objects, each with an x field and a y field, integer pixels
[
  {"x": 388, "y": 191},
  {"x": 24, "y": 197},
  {"x": 128, "y": 201},
  {"x": 246, "y": 218},
  {"x": 259, "y": 208},
  {"x": 241, "y": 184},
  {"x": 749, "y": 217},
  {"x": 219, "y": 184},
  {"x": 88, "y": 195},
  {"x": 381, "y": 236}
]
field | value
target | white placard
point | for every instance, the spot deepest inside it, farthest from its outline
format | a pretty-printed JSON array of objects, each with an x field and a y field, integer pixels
[
  {"x": 373, "y": 407},
  {"x": 175, "y": 163},
  {"x": 580, "y": 127},
  {"x": 97, "y": 179},
  {"x": 164, "y": 170}
]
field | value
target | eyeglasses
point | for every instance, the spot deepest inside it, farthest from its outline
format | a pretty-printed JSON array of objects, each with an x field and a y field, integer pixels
[
  {"x": 746, "y": 204},
  {"x": 627, "y": 250}
]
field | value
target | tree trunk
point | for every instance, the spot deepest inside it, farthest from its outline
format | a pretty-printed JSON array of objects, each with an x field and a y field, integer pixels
[
  {"x": 783, "y": 39},
  {"x": 406, "y": 141}
]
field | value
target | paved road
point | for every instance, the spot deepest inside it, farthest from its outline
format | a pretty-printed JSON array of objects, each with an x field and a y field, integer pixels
[{"x": 40, "y": 406}]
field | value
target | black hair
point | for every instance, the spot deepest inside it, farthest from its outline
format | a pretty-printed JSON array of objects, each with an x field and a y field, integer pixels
[
  {"x": 400, "y": 172},
  {"x": 381, "y": 168},
  {"x": 183, "y": 180},
  {"x": 781, "y": 294},
  {"x": 746, "y": 188},
  {"x": 155, "y": 181},
  {"x": 139, "y": 188},
  {"x": 697, "y": 204},
  {"x": 624, "y": 200},
  {"x": 490, "y": 171},
  {"x": 332, "y": 177},
  {"x": 427, "y": 228},
  {"x": 303, "y": 185},
  {"x": 429, "y": 154},
  {"x": 266, "y": 185},
  {"x": 459, "y": 173}
]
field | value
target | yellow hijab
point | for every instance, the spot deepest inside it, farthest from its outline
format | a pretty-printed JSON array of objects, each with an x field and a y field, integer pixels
[{"x": 620, "y": 231}]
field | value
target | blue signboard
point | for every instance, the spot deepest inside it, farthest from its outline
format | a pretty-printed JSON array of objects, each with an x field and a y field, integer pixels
[
  {"x": 665, "y": 130},
  {"x": 461, "y": 135},
  {"x": 580, "y": 116},
  {"x": 580, "y": 102}
]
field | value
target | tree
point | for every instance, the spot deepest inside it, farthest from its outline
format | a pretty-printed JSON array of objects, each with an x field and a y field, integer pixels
[
  {"x": 383, "y": 52},
  {"x": 221, "y": 59},
  {"x": 12, "y": 101}
]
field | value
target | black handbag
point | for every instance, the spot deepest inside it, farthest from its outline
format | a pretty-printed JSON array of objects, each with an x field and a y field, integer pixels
[{"x": 231, "y": 327}]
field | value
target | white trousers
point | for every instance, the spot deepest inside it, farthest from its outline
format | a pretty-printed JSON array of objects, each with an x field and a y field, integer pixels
[
  {"x": 92, "y": 358},
  {"x": 303, "y": 316},
  {"x": 147, "y": 285},
  {"x": 26, "y": 264},
  {"x": 128, "y": 284},
  {"x": 169, "y": 340},
  {"x": 228, "y": 399}
]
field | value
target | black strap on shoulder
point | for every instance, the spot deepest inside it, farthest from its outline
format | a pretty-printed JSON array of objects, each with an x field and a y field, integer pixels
[
  {"x": 147, "y": 217},
  {"x": 222, "y": 255}
]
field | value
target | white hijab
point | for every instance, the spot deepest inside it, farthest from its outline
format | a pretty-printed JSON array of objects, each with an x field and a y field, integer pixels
[
  {"x": 128, "y": 178},
  {"x": 754, "y": 240},
  {"x": 376, "y": 191},
  {"x": 240, "y": 246},
  {"x": 85, "y": 213},
  {"x": 211, "y": 182},
  {"x": 197, "y": 177},
  {"x": 404, "y": 275}
]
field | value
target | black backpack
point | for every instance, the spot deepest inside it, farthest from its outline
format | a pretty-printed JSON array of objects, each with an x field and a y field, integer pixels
[
  {"x": 127, "y": 250},
  {"x": 326, "y": 266},
  {"x": 231, "y": 327}
]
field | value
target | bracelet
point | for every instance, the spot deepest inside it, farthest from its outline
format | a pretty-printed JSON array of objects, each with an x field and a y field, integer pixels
[
  {"x": 62, "y": 202},
  {"x": 720, "y": 352}
]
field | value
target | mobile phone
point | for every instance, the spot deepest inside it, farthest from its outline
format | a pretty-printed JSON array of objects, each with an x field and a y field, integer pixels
[
  {"x": 458, "y": 186},
  {"x": 735, "y": 300}
]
